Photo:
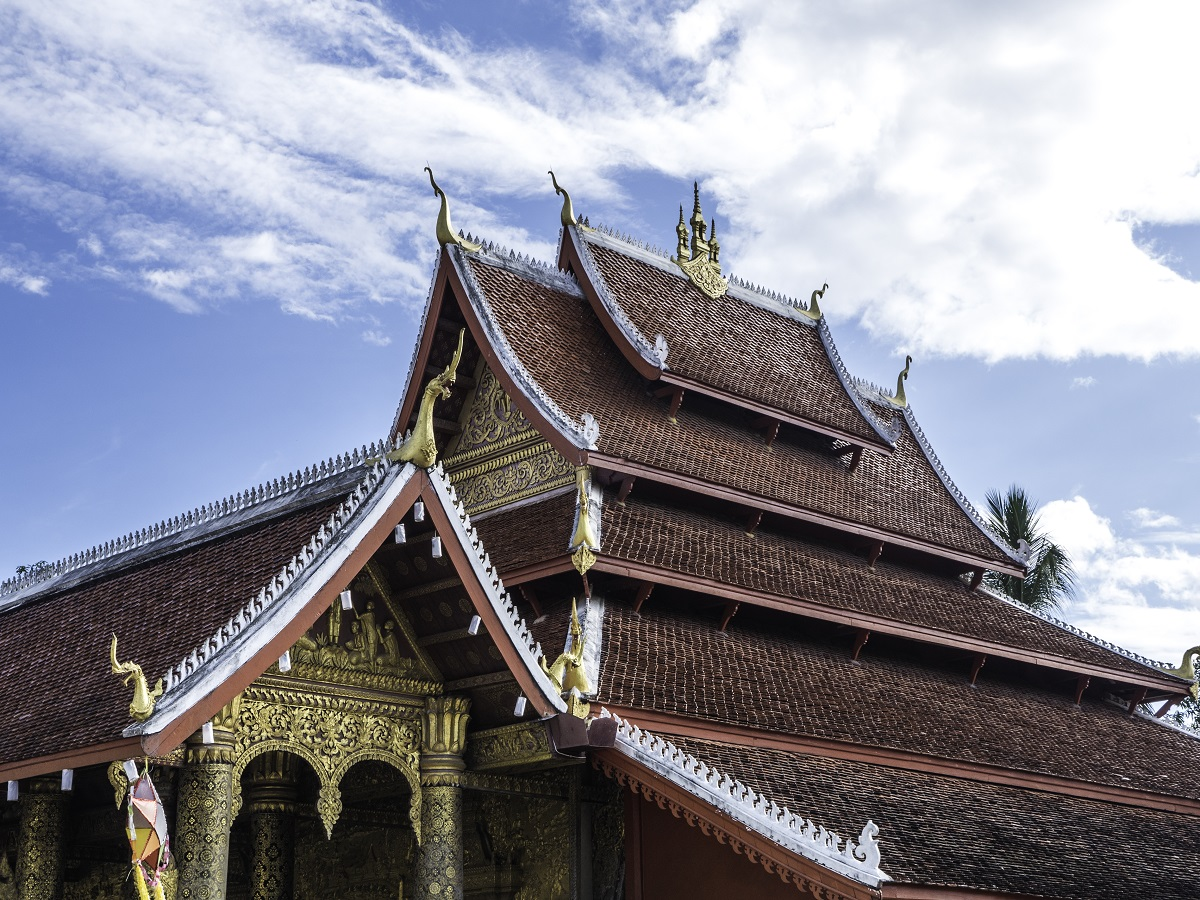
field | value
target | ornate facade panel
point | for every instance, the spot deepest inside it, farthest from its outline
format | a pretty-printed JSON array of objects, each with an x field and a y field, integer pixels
[
  {"x": 202, "y": 820},
  {"x": 40, "y": 840},
  {"x": 491, "y": 418},
  {"x": 513, "y": 746},
  {"x": 534, "y": 832}
]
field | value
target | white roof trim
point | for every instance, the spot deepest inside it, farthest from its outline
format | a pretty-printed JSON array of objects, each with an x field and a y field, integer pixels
[
  {"x": 858, "y": 860},
  {"x": 265, "y": 615}
]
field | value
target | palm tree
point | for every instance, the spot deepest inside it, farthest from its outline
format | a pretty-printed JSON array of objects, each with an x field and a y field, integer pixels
[{"x": 1013, "y": 516}]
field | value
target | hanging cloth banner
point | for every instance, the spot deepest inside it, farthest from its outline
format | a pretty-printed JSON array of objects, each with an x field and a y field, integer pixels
[{"x": 147, "y": 832}]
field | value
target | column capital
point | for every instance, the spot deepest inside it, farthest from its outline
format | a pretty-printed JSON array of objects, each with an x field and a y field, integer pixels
[{"x": 445, "y": 725}]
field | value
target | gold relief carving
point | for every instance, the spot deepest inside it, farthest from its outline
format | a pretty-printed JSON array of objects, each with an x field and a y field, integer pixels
[
  {"x": 567, "y": 673},
  {"x": 490, "y": 419},
  {"x": 272, "y": 846},
  {"x": 40, "y": 840},
  {"x": 371, "y": 646},
  {"x": 701, "y": 262},
  {"x": 533, "y": 830},
  {"x": 524, "y": 473},
  {"x": 331, "y": 734},
  {"x": 445, "y": 725},
  {"x": 336, "y": 869}
]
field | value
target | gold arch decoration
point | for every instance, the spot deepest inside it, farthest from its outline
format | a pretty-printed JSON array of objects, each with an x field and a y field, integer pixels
[{"x": 332, "y": 728}]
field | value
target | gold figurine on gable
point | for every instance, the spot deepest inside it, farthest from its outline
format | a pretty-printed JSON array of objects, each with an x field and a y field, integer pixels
[
  {"x": 421, "y": 446},
  {"x": 142, "y": 705},
  {"x": 566, "y": 673}
]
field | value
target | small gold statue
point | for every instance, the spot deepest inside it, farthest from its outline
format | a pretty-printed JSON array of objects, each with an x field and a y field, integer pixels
[
  {"x": 421, "y": 446},
  {"x": 566, "y": 673},
  {"x": 142, "y": 705}
]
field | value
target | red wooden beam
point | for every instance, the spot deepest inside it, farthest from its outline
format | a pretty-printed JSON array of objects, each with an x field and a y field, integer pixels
[
  {"x": 874, "y": 554},
  {"x": 730, "y": 611},
  {"x": 1166, "y": 707},
  {"x": 530, "y": 596},
  {"x": 626, "y": 487},
  {"x": 860, "y": 641},
  {"x": 676, "y": 400},
  {"x": 976, "y": 578},
  {"x": 980, "y": 659},
  {"x": 643, "y": 595},
  {"x": 1080, "y": 686},
  {"x": 1137, "y": 699},
  {"x": 843, "y": 451}
]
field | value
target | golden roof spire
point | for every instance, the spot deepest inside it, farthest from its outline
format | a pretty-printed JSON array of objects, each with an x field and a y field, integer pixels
[
  {"x": 445, "y": 231},
  {"x": 701, "y": 263},
  {"x": 567, "y": 215}
]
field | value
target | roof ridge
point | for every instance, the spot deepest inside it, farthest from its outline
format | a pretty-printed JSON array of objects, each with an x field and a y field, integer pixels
[
  {"x": 202, "y": 514},
  {"x": 539, "y": 270},
  {"x": 644, "y": 246},
  {"x": 288, "y": 574},
  {"x": 1077, "y": 631},
  {"x": 858, "y": 860},
  {"x": 889, "y": 432}
]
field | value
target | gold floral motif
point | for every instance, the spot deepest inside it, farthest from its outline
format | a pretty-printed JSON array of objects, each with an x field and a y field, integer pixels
[
  {"x": 532, "y": 830},
  {"x": 517, "y": 476},
  {"x": 40, "y": 841},
  {"x": 490, "y": 418},
  {"x": 512, "y": 746}
]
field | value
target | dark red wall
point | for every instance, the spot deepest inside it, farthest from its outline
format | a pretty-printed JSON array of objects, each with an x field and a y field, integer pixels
[{"x": 667, "y": 859}]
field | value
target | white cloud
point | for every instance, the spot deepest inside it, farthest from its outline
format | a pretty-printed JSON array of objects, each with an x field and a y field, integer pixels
[
  {"x": 1144, "y": 517},
  {"x": 967, "y": 180},
  {"x": 92, "y": 245},
  {"x": 1085, "y": 381},
  {"x": 377, "y": 338},
  {"x": 1141, "y": 592},
  {"x": 16, "y": 275}
]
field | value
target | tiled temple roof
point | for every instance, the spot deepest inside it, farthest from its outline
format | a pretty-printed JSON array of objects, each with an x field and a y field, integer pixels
[
  {"x": 776, "y": 679},
  {"x": 746, "y": 349},
  {"x": 564, "y": 348},
  {"x": 942, "y": 831}
]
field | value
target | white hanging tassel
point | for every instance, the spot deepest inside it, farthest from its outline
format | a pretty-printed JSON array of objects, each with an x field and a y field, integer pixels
[
  {"x": 518, "y": 710},
  {"x": 68, "y": 779},
  {"x": 13, "y": 791},
  {"x": 419, "y": 511},
  {"x": 347, "y": 602},
  {"x": 437, "y": 547},
  {"x": 285, "y": 661},
  {"x": 130, "y": 767},
  {"x": 473, "y": 628},
  {"x": 206, "y": 733},
  {"x": 401, "y": 537}
]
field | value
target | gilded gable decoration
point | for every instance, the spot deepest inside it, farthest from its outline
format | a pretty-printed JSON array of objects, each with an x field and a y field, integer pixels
[
  {"x": 697, "y": 254},
  {"x": 420, "y": 447},
  {"x": 900, "y": 399},
  {"x": 1187, "y": 669},
  {"x": 585, "y": 540},
  {"x": 141, "y": 707},
  {"x": 567, "y": 215},
  {"x": 445, "y": 231}
]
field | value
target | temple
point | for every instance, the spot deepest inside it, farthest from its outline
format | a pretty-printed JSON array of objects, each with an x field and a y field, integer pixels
[{"x": 642, "y": 595}]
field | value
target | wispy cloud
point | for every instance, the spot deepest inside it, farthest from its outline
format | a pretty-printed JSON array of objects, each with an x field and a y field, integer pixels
[
  {"x": 376, "y": 338},
  {"x": 1085, "y": 381},
  {"x": 1139, "y": 590},
  {"x": 17, "y": 276},
  {"x": 968, "y": 182}
]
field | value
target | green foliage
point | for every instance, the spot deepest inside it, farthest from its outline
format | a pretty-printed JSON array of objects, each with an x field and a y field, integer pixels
[
  {"x": 1186, "y": 714},
  {"x": 1051, "y": 578},
  {"x": 36, "y": 569}
]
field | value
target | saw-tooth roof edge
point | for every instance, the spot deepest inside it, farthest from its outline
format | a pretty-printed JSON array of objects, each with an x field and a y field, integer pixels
[{"x": 22, "y": 588}]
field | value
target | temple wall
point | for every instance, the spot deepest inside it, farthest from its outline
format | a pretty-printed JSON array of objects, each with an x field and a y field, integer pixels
[{"x": 666, "y": 859}]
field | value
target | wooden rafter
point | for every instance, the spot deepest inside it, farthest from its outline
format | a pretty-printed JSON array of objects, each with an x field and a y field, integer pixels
[
  {"x": 728, "y": 613},
  {"x": 530, "y": 595},
  {"x": 644, "y": 590},
  {"x": 860, "y": 641},
  {"x": 976, "y": 665},
  {"x": 753, "y": 521},
  {"x": 626, "y": 487}
]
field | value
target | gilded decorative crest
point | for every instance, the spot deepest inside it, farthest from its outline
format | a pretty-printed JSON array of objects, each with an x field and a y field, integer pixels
[
  {"x": 141, "y": 707},
  {"x": 698, "y": 255}
]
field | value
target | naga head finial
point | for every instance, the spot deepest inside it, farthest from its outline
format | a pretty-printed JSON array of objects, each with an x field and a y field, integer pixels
[
  {"x": 142, "y": 705},
  {"x": 445, "y": 231},
  {"x": 814, "y": 308},
  {"x": 1187, "y": 669},
  {"x": 567, "y": 214},
  {"x": 900, "y": 399}
]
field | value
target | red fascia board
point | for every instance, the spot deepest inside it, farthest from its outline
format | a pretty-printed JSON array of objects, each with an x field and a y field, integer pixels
[
  {"x": 754, "y": 501},
  {"x": 76, "y": 758}
]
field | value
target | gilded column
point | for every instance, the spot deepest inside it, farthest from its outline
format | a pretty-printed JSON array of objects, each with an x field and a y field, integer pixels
[
  {"x": 201, "y": 840},
  {"x": 40, "y": 840},
  {"x": 439, "y": 869},
  {"x": 271, "y": 802}
]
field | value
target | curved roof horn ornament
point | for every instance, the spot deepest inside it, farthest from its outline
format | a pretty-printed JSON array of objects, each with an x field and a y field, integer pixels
[
  {"x": 445, "y": 232},
  {"x": 567, "y": 216},
  {"x": 901, "y": 400},
  {"x": 814, "y": 308}
]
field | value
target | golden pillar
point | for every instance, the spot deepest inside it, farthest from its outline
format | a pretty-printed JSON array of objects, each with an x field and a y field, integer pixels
[
  {"x": 201, "y": 840},
  {"x": 439, "y": 870},
  {"x": 271, "y": 802},
  {"x": 40, "y": 840}
]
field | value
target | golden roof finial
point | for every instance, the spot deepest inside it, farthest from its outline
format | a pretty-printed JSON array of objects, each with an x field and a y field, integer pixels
[
  {"x": 900, "y": 399},
  {"x": 701, "y": 263},
  {"x": 584, "y": 542},
  {"x": 567, "y": 215},
  {"x": 814, "y": 308},
  {"x": 421, "y": 446},
  {"x": 1187, "y": 669},
  {"x": 142, "y": 705},
  {"x": 445, "y": 231}
]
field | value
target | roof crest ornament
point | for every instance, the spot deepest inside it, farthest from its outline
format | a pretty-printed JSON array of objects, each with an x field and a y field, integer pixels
[
  {"x": 585, "y": 540},
  {"x": 420, "y": 447},
  {"x": 210, "y": 512},
  {"x": 567, "y": 214},
  {"x": 700, "y": 261},
  {"x": 856, "y": 859},
  {"x": 1187, "y": 669},
  {"x": 899, "y": 397},
  {"x": 814, "y": 309},
  {"x": 445, "y": 231},
  {"x": 567, "y": 672},
  {"x": 142, "y": 705}
]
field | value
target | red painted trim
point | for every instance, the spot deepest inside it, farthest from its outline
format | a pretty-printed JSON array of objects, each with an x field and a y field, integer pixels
[
  {"x": 177, "y": 731},
  {"x": 124, "y": 748},
  {"x": 633, "y": 847},
  {"x": 894, "y": 891},
  {"x": 412, "y": 390},
  {"x": 743, "y": 736},
  {"x": 744, "y": 498},
  {"x": 531, "y": 411}
]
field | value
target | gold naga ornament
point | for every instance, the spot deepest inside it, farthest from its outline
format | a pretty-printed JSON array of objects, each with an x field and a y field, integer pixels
[
  {"x": 900, "y": 399},
  {"x": 566, "y": 673},
  {"x": 567, "y": 213},
  {"x": 1187, "y": 669},
  {"x": 420, "y": 447},
  {"x": 445, "y": 231},
  {"x": 584, "y": 542},
  {"x": 142, "y": 705},
  {"x": 699, "y": 256}
]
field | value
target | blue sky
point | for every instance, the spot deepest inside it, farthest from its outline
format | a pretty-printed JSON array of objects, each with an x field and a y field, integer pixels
[{"x": 215, "y": 234}]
